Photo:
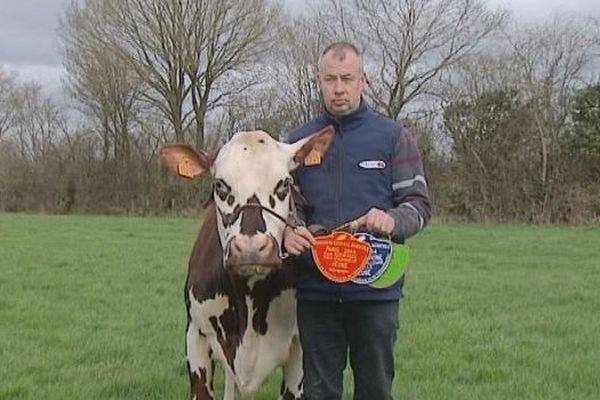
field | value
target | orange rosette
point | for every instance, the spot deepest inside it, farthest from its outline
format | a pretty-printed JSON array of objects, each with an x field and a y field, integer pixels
[{"x": 340, "y": 256}]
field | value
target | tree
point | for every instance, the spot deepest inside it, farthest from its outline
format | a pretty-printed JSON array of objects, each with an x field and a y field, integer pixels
[
  {"x": 409, "y": 43},
  {"x": 38, "y": 121},
  {"x": 7, "y": 84},
  {"x": 288, "y": 94},
  {"x": 295, "y": 64},
  {"x": 104, "y": 86},
  {"x": 552, "y": 60},
  {"x": 491, "y": 152},
  {"x": 585, "y": 113},
  {"x": 184, "y": 51}
]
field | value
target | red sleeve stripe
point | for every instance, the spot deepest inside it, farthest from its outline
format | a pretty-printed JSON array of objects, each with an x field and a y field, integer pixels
[{"x": 413, "y": 159}]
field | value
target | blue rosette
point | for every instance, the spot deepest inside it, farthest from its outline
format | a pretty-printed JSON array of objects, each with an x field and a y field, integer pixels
[{"x": 381, "y": 254}]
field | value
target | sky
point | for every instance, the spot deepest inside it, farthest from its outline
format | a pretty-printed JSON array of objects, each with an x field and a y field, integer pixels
[{"x": 29, "y": 42}]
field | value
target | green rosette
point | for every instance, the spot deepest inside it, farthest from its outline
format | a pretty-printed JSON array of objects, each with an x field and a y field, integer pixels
[{"x": 395, "y": 269}]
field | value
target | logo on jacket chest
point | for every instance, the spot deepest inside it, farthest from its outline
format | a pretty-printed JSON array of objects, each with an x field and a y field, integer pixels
[{"x": 372, "y": 164}]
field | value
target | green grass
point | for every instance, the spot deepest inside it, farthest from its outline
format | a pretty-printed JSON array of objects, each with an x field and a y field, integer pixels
[{"x": 91, "y": 308}]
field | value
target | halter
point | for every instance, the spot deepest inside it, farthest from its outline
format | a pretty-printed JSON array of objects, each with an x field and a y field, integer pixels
[{"x": 292, "y": 221}]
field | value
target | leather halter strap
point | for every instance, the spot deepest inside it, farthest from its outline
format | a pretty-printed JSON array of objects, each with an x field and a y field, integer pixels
[{"x": 291, "y": 222}]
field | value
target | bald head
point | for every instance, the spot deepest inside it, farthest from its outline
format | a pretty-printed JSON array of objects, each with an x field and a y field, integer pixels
[{"x": 339, "y": 51}]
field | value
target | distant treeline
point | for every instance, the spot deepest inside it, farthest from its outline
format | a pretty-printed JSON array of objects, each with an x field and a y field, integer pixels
[{"x": 507, "y": 116}]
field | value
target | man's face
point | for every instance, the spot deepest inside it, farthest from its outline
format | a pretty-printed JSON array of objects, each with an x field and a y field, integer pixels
[{"x": 341, "y": 80}]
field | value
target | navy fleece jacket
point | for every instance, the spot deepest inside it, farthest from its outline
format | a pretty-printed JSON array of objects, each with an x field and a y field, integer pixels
[{"x": 372, "y": 162}]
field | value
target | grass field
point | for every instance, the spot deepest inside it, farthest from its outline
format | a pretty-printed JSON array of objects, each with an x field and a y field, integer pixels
[{"x": 91, "y": 308}]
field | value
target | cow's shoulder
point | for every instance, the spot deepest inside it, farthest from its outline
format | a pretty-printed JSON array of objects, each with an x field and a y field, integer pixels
[{"x": 205, "y": 269}]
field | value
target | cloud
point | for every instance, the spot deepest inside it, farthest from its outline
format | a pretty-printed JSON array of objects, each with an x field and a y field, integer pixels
[
  {"x": 28, "y": 32},
  {"x": 29, "y": 40}
]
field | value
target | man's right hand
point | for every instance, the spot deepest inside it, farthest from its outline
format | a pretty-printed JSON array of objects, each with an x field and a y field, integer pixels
[{"x": 297, "y": 240}]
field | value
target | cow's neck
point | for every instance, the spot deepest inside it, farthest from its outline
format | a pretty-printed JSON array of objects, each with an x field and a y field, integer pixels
[{"x": 247, "y": 286}]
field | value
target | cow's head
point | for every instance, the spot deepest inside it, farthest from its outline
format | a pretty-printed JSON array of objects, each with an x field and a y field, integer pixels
[{"x": 252, "y": 186}]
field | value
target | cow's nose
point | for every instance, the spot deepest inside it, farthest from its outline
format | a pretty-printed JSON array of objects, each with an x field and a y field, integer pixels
[
  {"x": 255, "y": 247},
  {"x": 253, "y": 250}
]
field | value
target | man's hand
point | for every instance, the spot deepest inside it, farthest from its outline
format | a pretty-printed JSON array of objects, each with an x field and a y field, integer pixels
[
  {"x": 376, "y": 221},
  {"x": 298, "y": 240}
]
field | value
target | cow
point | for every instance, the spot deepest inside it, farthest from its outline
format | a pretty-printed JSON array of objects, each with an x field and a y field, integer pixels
[{"x": 239, "y": 292}]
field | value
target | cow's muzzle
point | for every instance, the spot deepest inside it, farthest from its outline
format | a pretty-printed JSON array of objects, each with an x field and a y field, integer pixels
[{"x": 249, "y": 255}]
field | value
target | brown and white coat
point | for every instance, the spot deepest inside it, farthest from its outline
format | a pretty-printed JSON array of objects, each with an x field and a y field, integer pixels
[{"x": 239, "y": 293}]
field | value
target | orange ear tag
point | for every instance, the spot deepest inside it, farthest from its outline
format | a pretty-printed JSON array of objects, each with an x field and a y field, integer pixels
[
  {"x": 312, "y": 158},
  {"x": 185, "y": 168},
  {"x": 340, "y": 256}
]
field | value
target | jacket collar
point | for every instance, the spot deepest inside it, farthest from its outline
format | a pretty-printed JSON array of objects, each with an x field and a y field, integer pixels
[{"x": 351, "y": 120}]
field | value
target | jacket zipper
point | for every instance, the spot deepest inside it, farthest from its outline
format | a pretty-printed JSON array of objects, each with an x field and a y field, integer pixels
[
  {"x": 338, "y": 184},
  {"x": 338, "y": 190}
]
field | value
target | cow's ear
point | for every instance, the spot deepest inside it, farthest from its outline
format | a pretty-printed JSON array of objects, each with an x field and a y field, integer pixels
[
  {"x": 184, "y": 160},
  {"x": 312, "y": 149}
]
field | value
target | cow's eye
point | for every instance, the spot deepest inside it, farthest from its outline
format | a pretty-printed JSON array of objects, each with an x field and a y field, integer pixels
[
  {"x": 221, "y": 189},
  {"x": 283, "y": 188}
]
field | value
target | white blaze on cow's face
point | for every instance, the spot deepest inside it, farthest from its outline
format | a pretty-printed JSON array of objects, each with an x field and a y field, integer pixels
[{"x": 252, "y": 170}]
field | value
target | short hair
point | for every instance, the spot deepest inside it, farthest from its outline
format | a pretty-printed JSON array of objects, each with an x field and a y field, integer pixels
[{"x": 339, "y": 50}]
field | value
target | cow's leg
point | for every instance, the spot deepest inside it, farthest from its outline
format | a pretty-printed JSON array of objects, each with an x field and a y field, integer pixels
[
  {"x": 200, "y": 365},
  {"x": 291, "y": 387},
  {"x": 229, "y": 386}
]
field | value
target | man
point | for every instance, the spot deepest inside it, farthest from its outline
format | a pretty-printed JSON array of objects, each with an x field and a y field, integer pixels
[{"x": 372, "y": 174}]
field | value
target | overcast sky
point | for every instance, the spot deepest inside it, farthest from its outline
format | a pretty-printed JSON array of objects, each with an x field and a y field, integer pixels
[{"x": 29, "y": 43}]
